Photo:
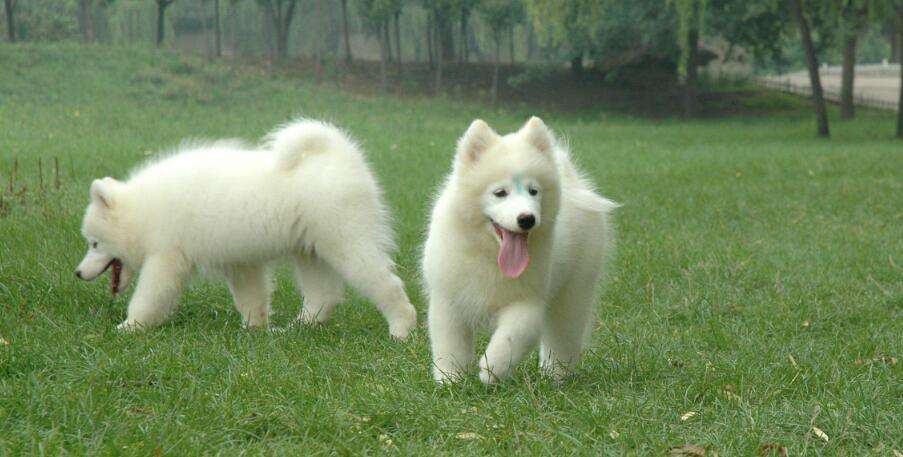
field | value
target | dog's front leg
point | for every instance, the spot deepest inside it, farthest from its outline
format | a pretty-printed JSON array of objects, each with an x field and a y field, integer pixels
[
  {"x": 451, "y": 338},
  {"x": 157, "y": 293},
  {"x": 517, "y": 331}
]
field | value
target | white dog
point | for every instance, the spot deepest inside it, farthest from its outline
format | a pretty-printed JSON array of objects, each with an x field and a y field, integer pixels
[
  {"x": 517, "y": 238},
  {"x": 307, "y": 194}
]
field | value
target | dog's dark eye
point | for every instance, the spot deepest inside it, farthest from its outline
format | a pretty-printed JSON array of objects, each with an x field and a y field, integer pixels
[
  {"x": 533, "y": 191},
  {"x": 501, "y": 193},
  {"x": 94, "y": 244}
]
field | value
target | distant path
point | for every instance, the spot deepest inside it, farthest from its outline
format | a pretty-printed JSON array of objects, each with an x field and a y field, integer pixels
[{"x": 876, "y": 86}]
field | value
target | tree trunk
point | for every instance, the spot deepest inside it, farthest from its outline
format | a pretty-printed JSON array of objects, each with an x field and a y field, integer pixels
[
  {"x": 283, "y": 22},
  {"x": 511, "y": 44},
  {"x": 267, "y": 22},
  {"x": 384, "y": 57},
  {"x": 217, "y": 31},
  {"x": 495, "y": 67},
  {"x": 202, "y": 8},
  {"x": 463, "y": 56},
  {"x": 429, "y": 41},
  {"x": 577, "y": 67},
  {"x": 161, "y": 18},
  {"x": 233, "y": 28},
  {"x": 847, "y": 110},
  {"x": 86, "y": 21},
  {"x": 398, "y": 38},
  {"x": 531, "y": 41},
  {"x": 692, "y": 77},
  {"x": 821, "y": 110},
  {"x": 386, "y": 26},
  {"x": 900, "y": 47},
  {"x": 10, "y": 20},
  {"x": 446, "y": 37},
  {"x": 440, "y": 56},
  {"x": 345, "y": 31}
]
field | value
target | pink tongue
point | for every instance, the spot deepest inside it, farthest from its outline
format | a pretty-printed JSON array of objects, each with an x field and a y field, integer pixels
[{"x": 513, "y": 256}]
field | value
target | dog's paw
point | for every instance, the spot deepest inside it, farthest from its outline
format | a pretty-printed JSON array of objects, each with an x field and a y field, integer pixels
[
  {"x": 447, "y": 377},
  {"x": 487, "y": 377},
  {"x": 401, "y": 327},
  {"x": 128, "y": 326}
]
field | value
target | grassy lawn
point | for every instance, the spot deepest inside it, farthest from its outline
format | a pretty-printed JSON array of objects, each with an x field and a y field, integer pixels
[{"x": 757, "y": 283}]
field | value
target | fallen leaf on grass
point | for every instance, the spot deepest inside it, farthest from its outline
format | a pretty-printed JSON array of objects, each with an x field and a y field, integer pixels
[
  {"x": 887, "y": 360},
  {"x": 898, "y": 453},
  {"x": 772, "y": 448},
  {"x": 820, "y": 433},
  {"x": 467, "y": 436},
  {"x": 688, "y": 450},
  {"x": 687, "y": 415},
  {"x": 614, "y": 434},
  {"x": 4, "y": 342},
  {"x": 792, "y": 361}
]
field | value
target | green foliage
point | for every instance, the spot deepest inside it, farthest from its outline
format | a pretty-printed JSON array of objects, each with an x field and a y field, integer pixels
[
  {"x": 375, "y": 13},
  {"x": 500, "y": 15},
  {"x": 572, "y": 23}
]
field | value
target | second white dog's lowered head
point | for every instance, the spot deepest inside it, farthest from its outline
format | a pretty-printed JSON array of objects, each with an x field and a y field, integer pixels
[{"x": 99, "y": 229}]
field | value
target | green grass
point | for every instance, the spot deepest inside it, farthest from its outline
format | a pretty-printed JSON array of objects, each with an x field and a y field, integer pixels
[{"x": 757, "y": 284}]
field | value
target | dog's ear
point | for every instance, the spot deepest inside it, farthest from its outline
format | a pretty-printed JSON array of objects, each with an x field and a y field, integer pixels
[
  {"x": 478, "y": 138},
  {"x": 538, "y": 135},
  {"x": 102, "y": 192}
]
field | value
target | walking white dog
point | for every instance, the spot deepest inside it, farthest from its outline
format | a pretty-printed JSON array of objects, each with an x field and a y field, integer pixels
[
  {"x": 517, "y": 238},
  {"x": 307, "y": 194}
]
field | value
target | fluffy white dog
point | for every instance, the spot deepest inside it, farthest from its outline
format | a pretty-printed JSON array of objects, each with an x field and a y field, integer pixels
[
  {"x": 307, "y": 194},
  {"x": 518, "y": 238}
]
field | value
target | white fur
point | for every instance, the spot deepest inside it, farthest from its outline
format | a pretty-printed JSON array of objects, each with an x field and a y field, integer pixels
[
  {"x": 307, "y": 194},
  {"x": 552, "y": 302}
]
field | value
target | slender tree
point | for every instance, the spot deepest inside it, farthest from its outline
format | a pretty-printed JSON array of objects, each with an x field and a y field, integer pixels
[
  {"x": 281, "y": 13},
  {"x": 377, "y": 15},
  {"x": 86, "y": 20},
  {"x": 10, "y": 7},
  {"x": 690, "y": 14},
  {"x": 345, "y": 34},
  {"x": 161, "y": 19},
  {"x": 900, "y": 46},
  {"x": 821, "y": 109},
  {"x": 852, "y": 20},
  {"x": 500, "y": 16},
  {"x": 397, "y": 23},
  {"x": 217, "y": 31}
]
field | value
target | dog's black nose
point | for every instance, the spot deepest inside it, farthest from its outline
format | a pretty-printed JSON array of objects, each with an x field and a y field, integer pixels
[
  {"x": 526, "y": 221},
  {"x": 78, "y": 274}
]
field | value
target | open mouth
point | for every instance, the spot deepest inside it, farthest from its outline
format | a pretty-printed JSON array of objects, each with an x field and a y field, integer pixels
[
  {"x": 513, "y": 257},
  {"x": 115, "y": 267}
]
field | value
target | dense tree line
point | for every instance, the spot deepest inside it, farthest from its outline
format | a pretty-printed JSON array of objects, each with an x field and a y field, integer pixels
[{"x": 595, "y": 38}]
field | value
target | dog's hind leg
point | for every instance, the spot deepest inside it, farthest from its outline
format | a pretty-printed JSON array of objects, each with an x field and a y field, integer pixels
[
  {"x": 565, "y": 329},
  {"x": 321, "y": 287},
  {"x": 251, "y": 288},
  {"x": 369, "y": 271},
  {"x": 157, "y": 293}
]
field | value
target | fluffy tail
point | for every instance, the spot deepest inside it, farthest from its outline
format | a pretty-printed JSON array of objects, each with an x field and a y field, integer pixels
[
  {"x": 582, "y": 192},
  {"x": 298, "y": 139}
]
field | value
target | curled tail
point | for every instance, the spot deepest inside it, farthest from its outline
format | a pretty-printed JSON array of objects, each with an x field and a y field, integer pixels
[{"x": 298, "y": 139}]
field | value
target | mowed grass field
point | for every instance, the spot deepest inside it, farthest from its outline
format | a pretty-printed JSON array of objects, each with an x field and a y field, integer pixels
[{"x": 756, "y": 299}]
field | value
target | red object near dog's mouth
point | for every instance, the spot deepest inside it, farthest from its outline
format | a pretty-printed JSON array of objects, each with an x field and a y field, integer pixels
[{"x": 115, "y": 275}]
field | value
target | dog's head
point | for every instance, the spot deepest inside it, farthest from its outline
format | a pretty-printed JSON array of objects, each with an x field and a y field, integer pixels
[
  {"x": 102, "y": 228},
  {"x": 515, "y": 178}
]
